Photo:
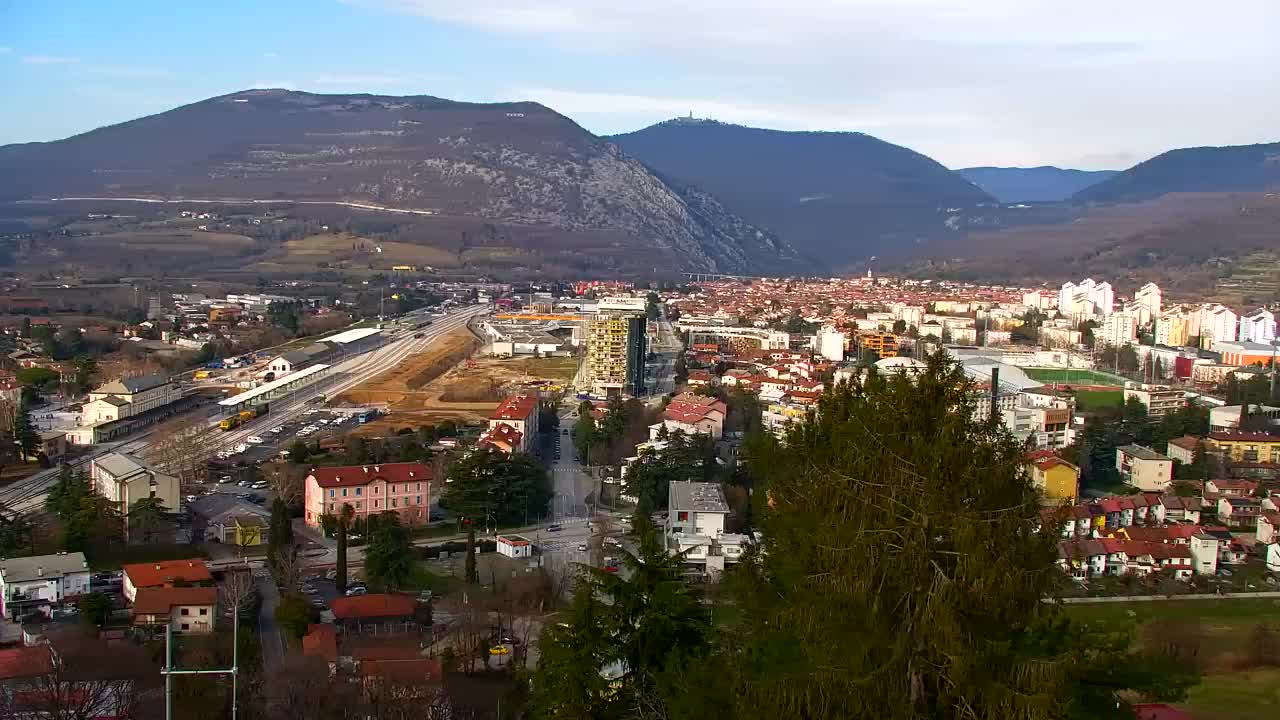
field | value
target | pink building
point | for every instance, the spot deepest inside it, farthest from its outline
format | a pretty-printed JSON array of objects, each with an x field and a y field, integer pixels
[{"x": 404, "y": 488}]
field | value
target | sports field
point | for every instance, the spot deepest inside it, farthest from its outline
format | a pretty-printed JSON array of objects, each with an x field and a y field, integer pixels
[{"x": 1072, "y": 376}]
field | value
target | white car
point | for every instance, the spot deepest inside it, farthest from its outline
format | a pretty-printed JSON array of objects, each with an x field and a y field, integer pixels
[
  {"x": 241, "y": 448},
  {"x": 254, "y": 440}
]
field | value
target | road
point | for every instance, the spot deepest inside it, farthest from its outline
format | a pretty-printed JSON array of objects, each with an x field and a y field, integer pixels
[
  {"x": 660, "y": 373},
  {"x": 268, "y": 633},
  {"x": 29, "y": 493}
]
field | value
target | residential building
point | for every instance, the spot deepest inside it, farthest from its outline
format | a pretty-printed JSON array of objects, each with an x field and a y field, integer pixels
[
  {"x": 1147, "y": 300},
  {"x": 185, "y": 610},
  {"x": 503, "y": 438},
  {"x": 1245, "y": 446},
  {"x": 520, "y": 413},
  {"x": 41, "y": 582},
  {"x": 1258, "y": 326},
  {"x": 227, "y": 519},
  {"x": 1204, "y": 553},
  {"x": 296, "y": 360},
  {"x": 829, "y": 342},
  {"x": 695, "y": 525},
  {"x": 1218, "y": 324},
  {"x": 1159, "y": 399},
  {"x": 164, "y": 574},
  {"x": 404, "y": 488},
  {"x": 1227, "y": 417},
  {"x": 1056, "y": 479},
  {"x": 128, "y": 397},
  {"x": 1117, "y": 329},
  {"x": 125, "y": 479},
  {"x": 1144, "y": 468},
  {"x": 1173, "y": 329},
  {"x": 1046, "y": 428},
  {"x": 1183, "y": 449},
  {"x": 1268, "y": 527},
  {"x": 1059, "y": 337},
  {"x": 373, "y": 610},
  {"x": 1240, "y": 512},
  {"x": 884, "y": 345},
  {"x": 692, "y": 414},
  {"x": 616, "y": 347}
]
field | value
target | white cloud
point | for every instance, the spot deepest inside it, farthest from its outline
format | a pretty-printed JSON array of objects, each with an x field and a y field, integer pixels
[
  {"x": 1031, "y": 81},
  {"x": 49, "y": 60}
]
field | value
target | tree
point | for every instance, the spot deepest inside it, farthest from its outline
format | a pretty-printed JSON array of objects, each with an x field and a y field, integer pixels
[
  {"x": 899, "y": 327},
  {"x": 24, "y": 433},
  {"x": 182, "y": 448},
  {"x": 685, "y": 458},
  {"x": 89, "y": 679},
  {"x": 294, "y": 614},
  {"x": 95, "y": 610},
  {"x": 880, "y": 595},
  {"x": 344, "y": 518},
  {"x": 388, "y": 553},
  {"x": 280, "y": 532},
  {"x": 636, "y": 627},
  {"x": 488, "y": 486},
  {"x": 148, "y": 519}
]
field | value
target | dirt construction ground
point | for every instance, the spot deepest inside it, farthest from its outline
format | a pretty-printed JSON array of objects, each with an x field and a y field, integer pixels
[{"x": 444, "y": 383}]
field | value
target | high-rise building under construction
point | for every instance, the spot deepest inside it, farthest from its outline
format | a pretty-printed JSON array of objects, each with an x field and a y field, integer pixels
[{"x": 616, "y": 347}]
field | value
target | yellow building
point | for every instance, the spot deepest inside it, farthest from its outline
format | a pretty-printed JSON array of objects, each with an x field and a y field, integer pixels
[
  {"x": 1243, "y": 446},
  {"x": 884, "y": 345},
  {"x": 1056, "y": 478},
  {"x": 616, "y": 347}
]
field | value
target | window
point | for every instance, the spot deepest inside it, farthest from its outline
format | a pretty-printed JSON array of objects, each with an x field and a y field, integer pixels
[
  {"x": 682, "y": 516},
  {"x": 419, "y": 488},
  {"x": 377, "y": 503},
  {"x": 344, "y": 492},
  {"x": 186, "y": 626},
  {"x": 204, "y": 611},
  {"x": 357, "y": 505},
  {"x": 393, "y": 488},
  {"x": 417, "y": 500},
  {"x": 186, "y": 611},
  {"x": 393, "y": 502},
  {"x": 333, "y": 493},
  {"x": 358, "y": 491}
]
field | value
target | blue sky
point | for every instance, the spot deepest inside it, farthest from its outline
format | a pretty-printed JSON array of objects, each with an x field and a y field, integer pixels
[{"x": 1088, "y": 83}]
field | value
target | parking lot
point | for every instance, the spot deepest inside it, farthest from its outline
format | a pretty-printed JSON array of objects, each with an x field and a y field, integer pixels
[{"x": 312, "y": 424}]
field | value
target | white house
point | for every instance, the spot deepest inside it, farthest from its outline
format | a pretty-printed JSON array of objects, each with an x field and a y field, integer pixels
[
  {"x": 40, "y": 582},
  {"x": 1144, "y": 468},
  {"x": 695, "y": 523},
  {"x": 125, "y": 479},
  {"x": 128, "y": 397}
]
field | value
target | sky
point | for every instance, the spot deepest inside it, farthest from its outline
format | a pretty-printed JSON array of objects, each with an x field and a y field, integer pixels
[{"x": 1076, "y": 83}]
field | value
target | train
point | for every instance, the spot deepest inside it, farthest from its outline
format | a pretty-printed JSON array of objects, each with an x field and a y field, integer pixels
[{"x": 235, "y": 421}]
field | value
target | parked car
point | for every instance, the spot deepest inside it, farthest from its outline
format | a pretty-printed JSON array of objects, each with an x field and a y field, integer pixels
[
  {"x": 582, "y": 548},
  {"x": 499, "y": 650},
  {"x": 254, "y": 440},
  {"x": 357, "y": 591},
  {"x": 554, "y": 528}
]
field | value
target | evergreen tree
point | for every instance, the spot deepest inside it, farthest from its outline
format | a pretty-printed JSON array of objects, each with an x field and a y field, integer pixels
[
  {"x": 148, "y": 519},
  {"x": 388, "y": 553},
  {"x": 344, "y": 518},
  {"x": 24, "y": 432},
  {"x": 280, "y": 532}
]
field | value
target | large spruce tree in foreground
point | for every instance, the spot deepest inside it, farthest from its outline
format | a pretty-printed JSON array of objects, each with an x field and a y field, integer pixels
[{"x": 903, "y": 575}]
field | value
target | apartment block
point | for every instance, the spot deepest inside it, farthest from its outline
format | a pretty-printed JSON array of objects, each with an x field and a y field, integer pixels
[
  {"x": 1144, "y": 468},
  {"x": 616, "y": 347},
  {"x": 1159, "y": 399}
]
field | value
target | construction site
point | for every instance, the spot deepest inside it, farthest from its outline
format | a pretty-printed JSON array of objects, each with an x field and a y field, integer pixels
[{"x": 451, "y": 382}]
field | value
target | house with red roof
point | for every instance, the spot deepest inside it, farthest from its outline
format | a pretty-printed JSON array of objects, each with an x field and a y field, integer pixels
[
  {"x": 185, "y": 610},
  {"x": 375, "y": 610},
  {"x": 164, "y": 574},
  {"x": 403, "y": 488},
  {"x": 520, "y": 413},
  {"x": 692, "y": 415},
  {"x": 502, "y": 437}
]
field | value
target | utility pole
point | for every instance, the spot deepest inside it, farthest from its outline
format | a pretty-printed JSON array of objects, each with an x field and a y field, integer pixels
[{"x": 169, "y": 670}]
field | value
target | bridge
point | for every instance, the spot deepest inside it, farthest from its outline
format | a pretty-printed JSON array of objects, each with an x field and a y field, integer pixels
[{"x": 702, "y": 277}]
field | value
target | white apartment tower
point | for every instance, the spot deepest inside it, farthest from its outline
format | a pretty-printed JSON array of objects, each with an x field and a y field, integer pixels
[
  {"x": 1086, "y": 298},
  {"x": 1217, "y": 324},
  {"x": 830, "y": 343},
  {"x": 1258, "y": 326},
  {"x": 1147, "y": 299},
  {"x": 1117, "y": 329}
]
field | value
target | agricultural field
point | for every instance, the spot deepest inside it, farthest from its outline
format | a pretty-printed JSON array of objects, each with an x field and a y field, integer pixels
[
  {"x": 1229, "y": 688},
  {"x": 340, "y": 250},
  {"x": 446, "y": 384},
  {"x": 1072, "y": 377}
]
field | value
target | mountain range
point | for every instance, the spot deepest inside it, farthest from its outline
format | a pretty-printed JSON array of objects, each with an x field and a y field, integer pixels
[
  {"x": 1036, "y": 184},
  {"x": 518, "y": 165},
  {"x": 519, "y": 186},
  {"x": 836, "y": 196}
]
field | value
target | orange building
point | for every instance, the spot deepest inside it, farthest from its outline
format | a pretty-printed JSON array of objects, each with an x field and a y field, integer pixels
[{"x": 884, "y": 345}]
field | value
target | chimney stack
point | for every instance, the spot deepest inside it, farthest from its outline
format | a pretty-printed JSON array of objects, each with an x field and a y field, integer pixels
[{"x": 995, "y": 394}]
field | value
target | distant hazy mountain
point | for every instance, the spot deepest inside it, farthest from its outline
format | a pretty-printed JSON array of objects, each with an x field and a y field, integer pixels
[
  {"x": 1036, "y": 184},
  {"x": 836, "y": 197},
  {"x": 1236, "y": 168},
  {"x": 481, "y": 167}
]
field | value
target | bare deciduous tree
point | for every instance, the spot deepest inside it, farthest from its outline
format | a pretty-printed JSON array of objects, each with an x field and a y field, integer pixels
[
  {"x": 182, "y": 448},
  {"x": 82, "y": 678},
  {"x": 287, "y": 480}
]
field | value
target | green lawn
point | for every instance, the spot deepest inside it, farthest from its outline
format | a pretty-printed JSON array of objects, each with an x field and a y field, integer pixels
[
  {"x": 1072, "y": 377},
  {"x": 1236, "y": 696},
  {"x": 1098, "y": 399},
  {"x": 1222, "y": 615}
]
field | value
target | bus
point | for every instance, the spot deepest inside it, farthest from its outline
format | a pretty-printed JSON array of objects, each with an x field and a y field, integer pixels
[{"x": 366, "y": 416}]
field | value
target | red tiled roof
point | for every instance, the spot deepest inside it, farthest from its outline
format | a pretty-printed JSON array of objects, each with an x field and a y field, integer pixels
[
  {"x": 372, "y": 606},
  {"x": 159, "y": 600},
  {"x": 321, "y": 641},
  {"x": 499, "y": 435},
  {"x": 353, "y": 475},
  {"x": 25, "y": 662},
  {"x": 166, "y": 572},
  {"x": 516, "y": 407},
  {"x": 1186, "y": 442}
]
